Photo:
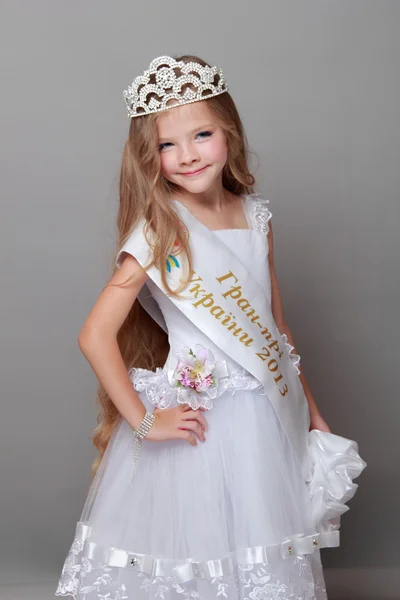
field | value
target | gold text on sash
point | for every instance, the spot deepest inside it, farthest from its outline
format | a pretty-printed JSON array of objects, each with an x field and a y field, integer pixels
[{"x": 271, "y": 353}]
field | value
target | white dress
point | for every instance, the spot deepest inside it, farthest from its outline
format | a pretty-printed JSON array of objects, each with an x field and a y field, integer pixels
[{"x": 212, "y": 510}]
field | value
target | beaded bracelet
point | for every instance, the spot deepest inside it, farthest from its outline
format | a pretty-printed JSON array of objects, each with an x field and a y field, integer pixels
[
  {"x": 145, "y": 425},
  {"x": 141, "y": 433}
]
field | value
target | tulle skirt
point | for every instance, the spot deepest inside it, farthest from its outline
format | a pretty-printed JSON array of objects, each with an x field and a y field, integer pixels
[{"x": 214, "y": 520}]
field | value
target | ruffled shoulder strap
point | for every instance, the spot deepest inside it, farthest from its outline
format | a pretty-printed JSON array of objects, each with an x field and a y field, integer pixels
[{"x": 258, "y": 212}]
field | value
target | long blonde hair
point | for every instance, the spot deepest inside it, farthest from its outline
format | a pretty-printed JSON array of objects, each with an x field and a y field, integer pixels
[{"x": 144, "y": 192}]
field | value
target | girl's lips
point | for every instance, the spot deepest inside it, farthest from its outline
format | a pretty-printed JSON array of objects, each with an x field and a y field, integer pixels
[{"x": 192, "y": 173}]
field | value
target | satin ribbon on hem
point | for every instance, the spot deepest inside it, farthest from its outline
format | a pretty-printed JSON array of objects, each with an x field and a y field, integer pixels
[{"x": 188, "y": 569}]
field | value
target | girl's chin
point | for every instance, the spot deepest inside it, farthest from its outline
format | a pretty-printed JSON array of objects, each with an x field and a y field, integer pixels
[
  {"x": 198, "y": 189},
  {"x": 199, "y": 186}
]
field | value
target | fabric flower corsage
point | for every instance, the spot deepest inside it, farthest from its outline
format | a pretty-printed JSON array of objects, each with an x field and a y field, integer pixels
[
  {"x": 195, "y": 370},
  {"x": 196, "y": 376}
]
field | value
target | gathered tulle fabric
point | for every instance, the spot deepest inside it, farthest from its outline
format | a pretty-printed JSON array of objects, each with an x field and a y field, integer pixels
[
  {"x": 202, "y": 507},
  {"x": 210, "y": 487}
]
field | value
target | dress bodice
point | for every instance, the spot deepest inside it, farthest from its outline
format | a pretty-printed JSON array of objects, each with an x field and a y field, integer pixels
[{"x": 251, "y": 247}]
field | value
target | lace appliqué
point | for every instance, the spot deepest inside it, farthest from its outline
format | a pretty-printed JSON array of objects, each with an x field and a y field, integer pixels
[
  {"x": 259, "y": 213},
  {"x": 161, "y": 394},
  {"x": 302, "y": 579},
  {"x": 305, "y": 582},
  {"x": 159, "y": 391},
  {"x": 100, "y": 584}
]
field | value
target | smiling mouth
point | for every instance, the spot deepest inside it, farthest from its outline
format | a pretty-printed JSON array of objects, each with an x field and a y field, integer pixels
[{"x": 191, "y": 173}]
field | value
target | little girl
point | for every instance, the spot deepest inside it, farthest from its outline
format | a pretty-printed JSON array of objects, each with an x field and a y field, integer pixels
[{"x": 217, "y": 475}]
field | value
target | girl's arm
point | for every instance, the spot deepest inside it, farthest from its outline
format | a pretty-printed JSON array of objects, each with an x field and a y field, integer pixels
[
  {"x": 98, "y": 339},
  {"x": 317, "y": 421},
  {"x": 98, "y": 342}
]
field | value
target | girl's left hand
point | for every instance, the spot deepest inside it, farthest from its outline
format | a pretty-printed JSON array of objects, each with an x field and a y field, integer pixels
[{"x": 317, "y": 422}]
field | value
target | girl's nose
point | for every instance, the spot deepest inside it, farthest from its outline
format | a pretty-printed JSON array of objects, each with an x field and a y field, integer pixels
[{"x": 188, "y": 154}]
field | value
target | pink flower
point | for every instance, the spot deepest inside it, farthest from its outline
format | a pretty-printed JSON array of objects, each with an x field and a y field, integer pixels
[{"x": 195, "y": 370}]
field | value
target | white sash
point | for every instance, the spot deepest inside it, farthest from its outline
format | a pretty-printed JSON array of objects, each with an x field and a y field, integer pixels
[{"x": 226, "y": 303}]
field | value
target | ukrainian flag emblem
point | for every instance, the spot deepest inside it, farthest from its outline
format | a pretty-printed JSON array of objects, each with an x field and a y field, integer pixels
[{"x": 172, "y": 262}]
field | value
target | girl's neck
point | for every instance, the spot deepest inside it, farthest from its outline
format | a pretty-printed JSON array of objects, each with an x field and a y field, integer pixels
[{"x": 215, "y": 199}]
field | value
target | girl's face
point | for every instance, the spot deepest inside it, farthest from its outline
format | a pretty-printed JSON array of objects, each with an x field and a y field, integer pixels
[{"x": 192, "y": 147}]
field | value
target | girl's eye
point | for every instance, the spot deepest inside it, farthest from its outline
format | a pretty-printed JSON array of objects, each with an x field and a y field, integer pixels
[
  {"x": 201, "y": 135},
  {"x": 165, "y": 145},
  {"x": 204, "y": 134}
]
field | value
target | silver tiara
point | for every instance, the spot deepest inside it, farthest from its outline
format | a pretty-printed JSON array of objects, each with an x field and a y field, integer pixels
[{"x": 155, "y": 90}]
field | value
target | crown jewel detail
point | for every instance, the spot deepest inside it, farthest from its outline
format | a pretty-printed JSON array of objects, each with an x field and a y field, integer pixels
[{"x": 168, "y": 83}]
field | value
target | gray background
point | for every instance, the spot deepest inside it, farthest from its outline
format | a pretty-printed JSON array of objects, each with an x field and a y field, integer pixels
[{"x": 317, "y": 86}]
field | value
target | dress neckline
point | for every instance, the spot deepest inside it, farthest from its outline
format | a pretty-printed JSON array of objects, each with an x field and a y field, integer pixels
[{"x": 242, "y": 197}]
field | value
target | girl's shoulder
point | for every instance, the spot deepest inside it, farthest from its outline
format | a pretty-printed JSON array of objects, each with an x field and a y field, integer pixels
[{"x": 257, "y": 212}]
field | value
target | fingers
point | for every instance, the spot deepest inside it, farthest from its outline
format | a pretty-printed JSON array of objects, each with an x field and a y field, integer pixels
[
  {"x": 197, "y": 416},
  {"x": 189, "y": 437},
  {"x": 196, "y": 428},
  {"x": 183, "y": 422}
]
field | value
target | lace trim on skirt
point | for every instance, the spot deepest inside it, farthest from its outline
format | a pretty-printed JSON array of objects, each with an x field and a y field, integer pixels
[{"x": 253, "y": 570}]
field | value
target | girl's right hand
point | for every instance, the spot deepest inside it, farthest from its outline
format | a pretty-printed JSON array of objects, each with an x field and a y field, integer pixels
[{"x": 178, "y": 423}]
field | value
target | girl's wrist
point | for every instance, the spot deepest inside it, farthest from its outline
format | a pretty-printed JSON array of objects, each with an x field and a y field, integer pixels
[
  {"x": 145, "y": 425},
  {"x": 138, "y": 417},
  {"x": 139, "y": 434}
]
